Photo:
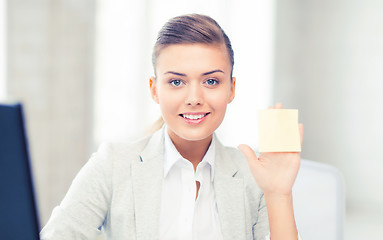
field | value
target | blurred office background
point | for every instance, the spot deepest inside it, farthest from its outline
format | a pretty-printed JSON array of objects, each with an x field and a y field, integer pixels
[{"x": 82, "y": 67}]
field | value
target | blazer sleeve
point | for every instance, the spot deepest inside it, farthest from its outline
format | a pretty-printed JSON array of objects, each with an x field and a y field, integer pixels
[
  {"x": 84, "y": 208},
  {"x": 261, "y": 228}
]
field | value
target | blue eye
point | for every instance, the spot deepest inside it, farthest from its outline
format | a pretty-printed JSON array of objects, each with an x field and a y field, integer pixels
[
  {"x": 176, "y": 82},
  {"x": 212, "y": 82}
]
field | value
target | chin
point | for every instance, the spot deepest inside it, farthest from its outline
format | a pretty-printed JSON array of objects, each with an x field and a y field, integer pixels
[
  {"x": 195, "y": 137},
  {"x": 195, "y": 134}
]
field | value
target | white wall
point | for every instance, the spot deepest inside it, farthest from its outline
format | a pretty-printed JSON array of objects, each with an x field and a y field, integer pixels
[
  {"x": 50, "y": 57},
  {"x": 328, "y": 63},
  {"x": 3, "y": 24}
]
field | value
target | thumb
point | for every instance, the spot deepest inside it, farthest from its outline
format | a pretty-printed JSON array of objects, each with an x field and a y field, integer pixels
[{"x": 248, "y": 152}]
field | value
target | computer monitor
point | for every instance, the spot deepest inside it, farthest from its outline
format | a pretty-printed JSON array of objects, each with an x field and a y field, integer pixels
[{"x": 18, "y": 211}]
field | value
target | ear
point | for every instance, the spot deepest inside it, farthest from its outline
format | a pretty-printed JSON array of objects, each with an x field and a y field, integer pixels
[
  {"x": 153, "y": 89},
  {"x": 232, "y": 90}
]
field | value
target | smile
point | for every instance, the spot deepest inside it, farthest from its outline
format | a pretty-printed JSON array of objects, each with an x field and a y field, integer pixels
[{"x": 193, "y": 116}]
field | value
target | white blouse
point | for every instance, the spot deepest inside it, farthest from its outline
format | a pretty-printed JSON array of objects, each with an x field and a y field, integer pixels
[{"x": 183, "y": 216}]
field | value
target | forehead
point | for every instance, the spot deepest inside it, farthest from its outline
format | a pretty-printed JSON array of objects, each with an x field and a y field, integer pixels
[{"x": 193, "y": 57}]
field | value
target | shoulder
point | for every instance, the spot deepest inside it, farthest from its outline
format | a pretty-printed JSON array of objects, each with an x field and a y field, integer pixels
[
  {"x": 123, "y": 148},
  {"x": 116, "y": 154}
]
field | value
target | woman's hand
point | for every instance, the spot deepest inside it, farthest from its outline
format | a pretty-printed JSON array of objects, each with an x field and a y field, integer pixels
[{"x": 274, "y": 172}]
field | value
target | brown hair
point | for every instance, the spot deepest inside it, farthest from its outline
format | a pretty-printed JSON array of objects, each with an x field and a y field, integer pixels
[
  {"x": 188, "y": 29},
  {"x": 191, "y": 28}
]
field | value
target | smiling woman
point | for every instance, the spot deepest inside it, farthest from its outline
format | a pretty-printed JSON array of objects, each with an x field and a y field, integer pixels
[
  {"x": 193, "y": 86},
  {"x": 181, "y": 182},
  {"x": 193, "y": 64}
]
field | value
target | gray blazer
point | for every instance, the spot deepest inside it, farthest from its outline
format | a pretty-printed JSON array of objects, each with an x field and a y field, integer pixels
[{"x": 120, "y": 189}]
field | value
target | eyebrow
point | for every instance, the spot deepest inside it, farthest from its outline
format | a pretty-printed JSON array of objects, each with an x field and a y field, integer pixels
[
  {"x": 203, "y": 74},
  {"x": 214, "y": 71},
  {"x": 175, "y": 73}
]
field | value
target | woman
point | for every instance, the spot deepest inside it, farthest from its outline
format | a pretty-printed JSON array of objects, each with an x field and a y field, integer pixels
[{"x": 181, "y": 183}]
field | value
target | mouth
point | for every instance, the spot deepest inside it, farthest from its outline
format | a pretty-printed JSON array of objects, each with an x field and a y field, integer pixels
[{"x": 194, "y": 116}]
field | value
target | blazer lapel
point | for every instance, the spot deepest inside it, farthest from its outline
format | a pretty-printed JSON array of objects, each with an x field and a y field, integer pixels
[
  {"x": 229, "y": 192},
  {"x": 147, "y": 177},
  {"x": 147, "y": 180}
]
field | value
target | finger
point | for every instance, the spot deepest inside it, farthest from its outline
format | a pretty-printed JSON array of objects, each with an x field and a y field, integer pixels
[
  {"x": 248, "y": 152},
  {"x": 278, "y": 105},
  {"x": 301, "y": 130}
]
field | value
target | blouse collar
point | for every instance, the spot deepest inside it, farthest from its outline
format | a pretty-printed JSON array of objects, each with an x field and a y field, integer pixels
[{"x": 171, "y": 154}]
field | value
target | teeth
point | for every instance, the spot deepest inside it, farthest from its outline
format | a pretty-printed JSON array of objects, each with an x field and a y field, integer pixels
[{"x": 193, "y": 117}]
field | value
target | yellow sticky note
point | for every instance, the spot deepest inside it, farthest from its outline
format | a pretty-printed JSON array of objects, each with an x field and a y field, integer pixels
[{"x": 278, "y": 130}]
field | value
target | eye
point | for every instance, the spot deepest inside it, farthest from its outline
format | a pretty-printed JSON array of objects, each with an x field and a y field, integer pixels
[
  {"x": 175, "y": 82},
  {"x": 211, "y": 82}
]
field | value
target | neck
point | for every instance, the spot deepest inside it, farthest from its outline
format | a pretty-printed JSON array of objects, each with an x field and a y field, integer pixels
[{"x": 194, "y": 151}]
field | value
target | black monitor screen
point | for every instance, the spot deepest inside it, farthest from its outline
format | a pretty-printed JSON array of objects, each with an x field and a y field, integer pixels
[{"x": 18, "y": 213}]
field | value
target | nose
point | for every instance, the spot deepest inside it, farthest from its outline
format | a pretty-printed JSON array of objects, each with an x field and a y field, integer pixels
[{"x": 195, "y": 95}]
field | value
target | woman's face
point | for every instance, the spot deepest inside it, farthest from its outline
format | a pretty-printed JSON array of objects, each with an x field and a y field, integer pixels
[{"x": 193, "y": 87}]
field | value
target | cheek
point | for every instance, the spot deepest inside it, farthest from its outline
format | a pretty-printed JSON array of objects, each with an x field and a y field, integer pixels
[
  {"x": 219, "y": 101},
  {"x": 169, "y": 102}
]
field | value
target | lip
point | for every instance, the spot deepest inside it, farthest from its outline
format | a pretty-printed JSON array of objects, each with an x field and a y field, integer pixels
[{"x": 194, "y": 121}]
